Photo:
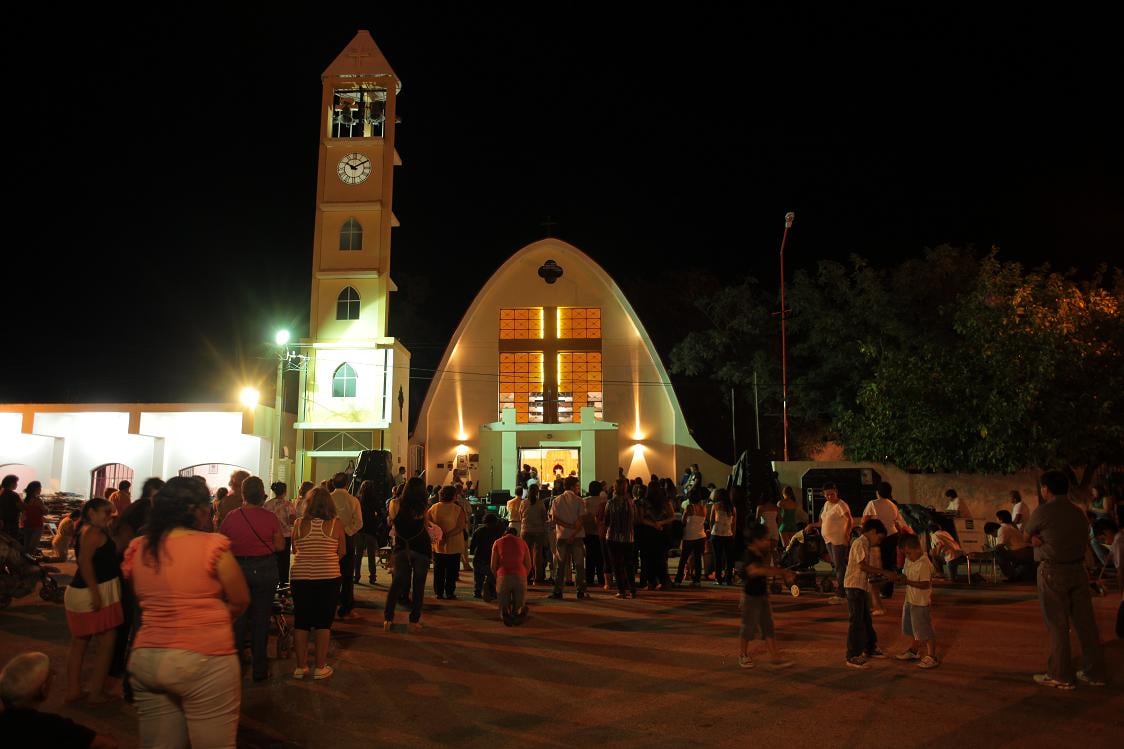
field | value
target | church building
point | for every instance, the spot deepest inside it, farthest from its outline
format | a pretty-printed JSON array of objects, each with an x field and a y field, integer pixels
[{"x": 551, "y": 368}]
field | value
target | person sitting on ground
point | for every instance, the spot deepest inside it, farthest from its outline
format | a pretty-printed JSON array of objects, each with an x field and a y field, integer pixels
[
  {"x": 945, "y": 551},
  {"x": 1108, "y": 533},
  {"x": 511, "y": 564},
  {"x": 64, "y": 537},
  {"x": 24, "y": 684},
  {"x": 1013, "y": 551},
  {"x": 480, "y": 547}
]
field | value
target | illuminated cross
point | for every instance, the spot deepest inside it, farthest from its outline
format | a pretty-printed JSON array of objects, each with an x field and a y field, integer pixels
[
  {"x": 358, "y": 55},
  {"x": 551, "y": 345}
]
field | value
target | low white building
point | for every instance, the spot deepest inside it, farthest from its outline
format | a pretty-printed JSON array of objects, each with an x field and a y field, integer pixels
[{"x": 82, "y": 448}]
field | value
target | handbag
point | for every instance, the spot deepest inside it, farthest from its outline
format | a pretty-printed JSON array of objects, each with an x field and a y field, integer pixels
[{"x": 435, "y": 532}]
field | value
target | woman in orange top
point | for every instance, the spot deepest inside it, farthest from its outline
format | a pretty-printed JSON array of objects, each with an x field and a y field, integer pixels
[
  {"x": 448, "y": 516},
  {"x": 184, "y": 671}
]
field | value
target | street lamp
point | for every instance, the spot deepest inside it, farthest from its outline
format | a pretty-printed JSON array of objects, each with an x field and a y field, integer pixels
[
  {"x": 788, "y": 217},
  {"x": 281, "y": 338},
  {"x": 249, "y": 396}
]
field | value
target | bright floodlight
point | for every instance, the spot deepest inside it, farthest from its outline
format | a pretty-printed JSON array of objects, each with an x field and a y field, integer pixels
[
  {"x": 249, "y": 397},
  {"x": 282, "y": 337}
]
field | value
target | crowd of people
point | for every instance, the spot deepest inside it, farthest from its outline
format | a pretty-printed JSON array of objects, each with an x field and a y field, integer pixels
[{"x": 174, "y": 592}]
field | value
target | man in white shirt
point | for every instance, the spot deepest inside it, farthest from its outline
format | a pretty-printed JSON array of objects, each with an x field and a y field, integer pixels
[
  {"x": 351, "y": 517},
  {"x": 566, "y": 512},
  {"x": 835, "y": 525},
  {"x": 1020, "y": 509}
]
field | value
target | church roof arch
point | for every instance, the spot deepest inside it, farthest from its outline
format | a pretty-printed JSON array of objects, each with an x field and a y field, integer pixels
[{"x": 567, "y": 256}]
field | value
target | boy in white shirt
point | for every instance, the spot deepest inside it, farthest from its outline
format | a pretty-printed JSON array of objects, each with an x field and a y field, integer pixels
[
  {"x": 916, "y": 621},
  {"x": 862, "y": 641}
]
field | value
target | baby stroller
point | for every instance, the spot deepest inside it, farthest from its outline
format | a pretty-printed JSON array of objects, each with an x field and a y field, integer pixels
[
  {"x": 280, "y": 623},
  {"x": 806, "y": 550},
  {"x": 19, "y": 572}
]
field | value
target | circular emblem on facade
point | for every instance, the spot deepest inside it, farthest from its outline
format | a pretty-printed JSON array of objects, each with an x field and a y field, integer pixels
[{"x": 550, "y": 271}]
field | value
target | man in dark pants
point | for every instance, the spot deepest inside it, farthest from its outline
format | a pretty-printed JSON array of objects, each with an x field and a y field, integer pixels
[
  {"x": 1059, "y": 531},
  {"x": 351, "y": 516}
]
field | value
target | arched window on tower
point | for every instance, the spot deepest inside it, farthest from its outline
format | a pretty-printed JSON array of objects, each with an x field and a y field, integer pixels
[
  {"x": 347, "y": 304},
  {"x": 343, "y": 382},
  {"x": 351, "y": 236}
]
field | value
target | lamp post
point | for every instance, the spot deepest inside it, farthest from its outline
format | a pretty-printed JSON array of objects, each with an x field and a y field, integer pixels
[
  {"x": 282, "y": 340},
  {"x": 788, "y": 217}
]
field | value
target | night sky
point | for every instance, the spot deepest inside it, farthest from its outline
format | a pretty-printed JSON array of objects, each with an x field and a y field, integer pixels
[{"x": 161, "y": 176}]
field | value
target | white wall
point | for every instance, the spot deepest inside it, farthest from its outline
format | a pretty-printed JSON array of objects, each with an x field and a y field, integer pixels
[
  {"x": 191, "y": 438},
  {"x": 983, "y": 494},
  {"x": 31, "y": 451},
  {"x": 93, "y": 439}
]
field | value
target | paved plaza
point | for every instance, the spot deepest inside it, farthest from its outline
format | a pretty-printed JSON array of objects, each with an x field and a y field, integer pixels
[{"x": 659, "y": 671}]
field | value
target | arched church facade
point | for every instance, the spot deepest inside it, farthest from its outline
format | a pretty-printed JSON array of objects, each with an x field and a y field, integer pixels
[{"x": 550, "y": 367}]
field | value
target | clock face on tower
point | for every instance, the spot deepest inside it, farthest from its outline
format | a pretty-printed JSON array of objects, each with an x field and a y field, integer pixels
[{"x": 354, "y": 168}]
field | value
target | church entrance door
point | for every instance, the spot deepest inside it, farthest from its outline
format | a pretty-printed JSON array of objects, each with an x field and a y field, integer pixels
[{"x": 551, "y": 462}]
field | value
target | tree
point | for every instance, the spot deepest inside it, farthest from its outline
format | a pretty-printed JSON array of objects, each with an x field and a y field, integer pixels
[{"x": 1030, "y": 376}]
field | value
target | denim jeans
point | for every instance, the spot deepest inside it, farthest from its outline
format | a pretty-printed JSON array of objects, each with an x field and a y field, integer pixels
[
  {"x": 624, "y": 565},
  {"x": 861, "y": 637},
  {"x": 594, "y": 561},
  {"x": 365, "y": 543},
  {"x": 694, "y": 549},
  {"x": 839, "y": 554},
  {"x": 410, "y": 567},
  {"x": 723, "y": 558},
  {"x": 253, "y": 624},
  {"x": 184, "y": 697}
]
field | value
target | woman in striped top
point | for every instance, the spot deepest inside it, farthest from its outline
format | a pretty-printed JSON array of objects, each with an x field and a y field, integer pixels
[{"x": 318, "y": 543}]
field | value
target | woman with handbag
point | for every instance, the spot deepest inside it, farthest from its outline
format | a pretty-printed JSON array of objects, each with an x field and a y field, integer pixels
[{"x": 412, "y": 549}]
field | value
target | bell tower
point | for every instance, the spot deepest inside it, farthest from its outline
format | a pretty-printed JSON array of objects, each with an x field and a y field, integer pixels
[{"x": 355, "y": 382}]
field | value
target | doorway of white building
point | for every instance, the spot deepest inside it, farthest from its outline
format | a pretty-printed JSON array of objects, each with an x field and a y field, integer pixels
[
  {"x": 216, "y": 474},
  {"x": 108, "y": 475},
  {"x": 551, "y": 462}
]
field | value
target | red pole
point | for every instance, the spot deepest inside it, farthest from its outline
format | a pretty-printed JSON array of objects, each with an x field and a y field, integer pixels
[{"x": 784, "y": 341}]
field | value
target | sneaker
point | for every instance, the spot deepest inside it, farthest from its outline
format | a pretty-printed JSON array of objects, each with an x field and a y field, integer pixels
[
  {"x": 620, "y": 595},
  {"x": 928, "y": 662},
  {"x": 1049, "y": 681},
  {"x": 781, "y": 664},
  {"x": 323, "y": 673},
  {"x": 555, "y": 595},
  {"x": 1086, "y": 679},
  {"x": 744, "y": 661},
  {"x": 440, "y": 596},
  {"x": 908, "y": 655},
  {"x": 878, "y": 612},
  {"x": 857, "y": 662},
  {"x": 300, "y": 673},
  {"x": 837, "y": 599},
  {"x": 876, "y": 653}
]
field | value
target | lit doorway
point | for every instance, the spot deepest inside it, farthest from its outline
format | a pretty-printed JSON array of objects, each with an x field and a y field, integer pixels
[
  {"x": 108, "y": 475},
  {"x": 551, "y": 462}
]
